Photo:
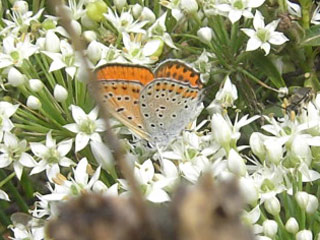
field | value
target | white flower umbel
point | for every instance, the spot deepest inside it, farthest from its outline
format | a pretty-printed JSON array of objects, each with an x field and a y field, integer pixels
[
  {"x": 237, "y": 8},
  {"x": 6, "y": 111},
  {"x": 262, "y": 36},
  {"x": 14, "y": 151},
  {"x": 86, "y": 126},
  {"x": 51, "y": 155}
]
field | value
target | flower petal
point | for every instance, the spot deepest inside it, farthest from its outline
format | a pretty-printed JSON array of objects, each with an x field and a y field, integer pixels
[{"x": 82, "y": 140}]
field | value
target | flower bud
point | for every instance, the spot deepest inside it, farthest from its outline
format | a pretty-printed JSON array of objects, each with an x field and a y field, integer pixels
[
  {"x": 304, "y": 235},
  {"x": 312, "y": 205},
  {"x": 90, "y": 36},
  {"x": 136, "y": 10},
  {"x": 60, "y": 93},
  {"x": 249, "y": 190},
  {"x": 236, "y": 164},
  {"x": 257, "y": 146},
  {"x": 15, "y": 78},
  {"x": 52, "y": 43},
  {"x": 221, "y": 130},
  {"x": 274, "y": 150},
  {"x": 88, "y": 23},
  {"x": 228, "y": 94},
  {"x": 20, "y": 7},
  {"x": 49, "y": 24},
  {"x": 302, "y": 199},
  {"x": 147, "y": 15},
  {"x": 94, "y": 51},
  {"x": 76, "y": 27},
  {"x": 33, "y": 103},
  {"x": 41, "y": 43},
  {"x": 292, "y": 225},
  {"x": 35, "y": 85},
  {"x": 270, "y": 228},
  {"x": 95, "y": 10},
  {"x": 205, "y": 34},
  {"x": 189, "y": 6},
  {"x": 272, "y": 205},
  {"x": 301, "y": 149},
  {"x": 153, "y": 48},
  {"x": 119, "y": 4}
]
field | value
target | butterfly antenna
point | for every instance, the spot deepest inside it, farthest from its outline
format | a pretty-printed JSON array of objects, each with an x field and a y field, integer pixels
[{"x": 113, "y": 142}]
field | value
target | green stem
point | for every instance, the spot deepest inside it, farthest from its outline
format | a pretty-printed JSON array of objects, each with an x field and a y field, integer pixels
[{"x": 15, "y": 194}]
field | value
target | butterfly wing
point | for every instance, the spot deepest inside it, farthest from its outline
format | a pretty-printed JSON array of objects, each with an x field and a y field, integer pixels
[
  {"x": 167, "y": 106},
  {"x": 120, "y": 87},
  {"x": 179, "y": 71}
]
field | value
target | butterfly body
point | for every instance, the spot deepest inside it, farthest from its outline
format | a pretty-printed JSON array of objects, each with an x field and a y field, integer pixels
[{"x": 155, "y": 106}]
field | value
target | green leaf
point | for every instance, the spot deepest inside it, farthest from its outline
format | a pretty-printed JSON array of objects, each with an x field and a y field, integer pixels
[
  {"x": 312, "y": 37},
  {"x": 266, "y": 66}
]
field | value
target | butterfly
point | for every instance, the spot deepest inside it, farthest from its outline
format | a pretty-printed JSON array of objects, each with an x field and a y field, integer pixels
[{"x": 155, "y": 105}]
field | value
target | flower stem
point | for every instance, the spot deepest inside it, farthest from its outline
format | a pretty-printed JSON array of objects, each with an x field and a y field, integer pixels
[{"x": 15, "y": 194}]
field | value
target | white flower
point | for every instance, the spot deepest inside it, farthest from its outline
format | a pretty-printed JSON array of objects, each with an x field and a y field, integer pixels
[
  {"x": 19, "y": 22},
  {"x": 238, "y": 8},
  {"x": 120, "y": 4},
  {"x": 125, "y": 23},
  {"x": 316, "y": 16},
  {"x": 294, "y": 9},
  {"x": 51, "y": 155},
  {"x": 90, "y": 36},
  {"x": 60, "y": 93},
  {"x": 175, "y": 7},
  {"x": 67, "y": 59},
  {"x": 159, "y": 29},
  {"x": 145, "y": 175},
  {"x": 263, "y": 35},
  {"x": 6, "y": 111},
  {"x": 14, "y": 151},
  {"x": 304, "y": 235},
  {"x": 189, "y": 6},
  {"x": 147, "y": 15},
  {"x": 86, "y": 126},
  {"x": 228, "y": 94},
  {"x": 138, "y": 53},
  {"x": 33, "y": 103},
  {"x": 15, "y": 51},
  {"x": 292, "y": 225}
]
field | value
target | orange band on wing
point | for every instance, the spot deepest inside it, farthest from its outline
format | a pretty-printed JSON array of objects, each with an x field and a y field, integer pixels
[{"x": 125, "y": 72}]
